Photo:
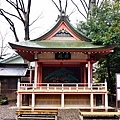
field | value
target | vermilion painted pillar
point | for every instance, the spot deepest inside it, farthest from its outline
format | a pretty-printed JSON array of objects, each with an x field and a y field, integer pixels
[
  {"x": 85, "y": 76},
  {"x": 81, "y": 74},
  {"x": 31, "y": 76},
  {"x": 36, "y": 73},
  {"x": 103, "y": 99},
  {"x": 40, "y": 72},
  {"x": 89, "y": 73}
]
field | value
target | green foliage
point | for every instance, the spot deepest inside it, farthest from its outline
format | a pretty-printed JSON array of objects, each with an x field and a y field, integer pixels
[
  {"x": 103, "y": 27},
  {"x": 2, "y": 97}
]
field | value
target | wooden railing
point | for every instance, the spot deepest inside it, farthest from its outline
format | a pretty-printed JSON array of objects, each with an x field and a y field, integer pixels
[{"x": 63, "y": 87}]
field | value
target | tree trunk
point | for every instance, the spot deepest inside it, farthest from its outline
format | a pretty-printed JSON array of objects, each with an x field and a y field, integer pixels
[{"x": 27, "y": 37}]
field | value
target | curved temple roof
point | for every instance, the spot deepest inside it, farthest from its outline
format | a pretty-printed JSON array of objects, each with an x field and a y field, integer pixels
[
  {"x": 63, "y": 37},
  {"x": 58, "y": 44}
]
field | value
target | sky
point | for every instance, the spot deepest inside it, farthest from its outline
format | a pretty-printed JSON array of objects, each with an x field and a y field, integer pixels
[{"x": 48, "y": 14}]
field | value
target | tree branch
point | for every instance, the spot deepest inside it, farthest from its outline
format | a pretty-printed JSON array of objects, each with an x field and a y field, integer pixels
[
  {"x": 66, "y": 6},
  {"x": 28, "y": 7},
  {"x": 22, "y": 5},
  {"x": 72, "y": 12},
  {"x": 101, "y": 3},
  {"x": 11, "y": 24},
  {"x": 56, "y": 5},
  {"x": 60, "y": 6},
  {"x": 97, "y": 2},
  {"x": 16, "y": 8},
  {"x": 26, "y": 26},
  {"x": 84, "y": 4},
  {"x": 78, "y": 9},
  {"x": 10, "y": 14},
  {"x": 36, "y": 19},
  {"x": 11, "y": 3}
]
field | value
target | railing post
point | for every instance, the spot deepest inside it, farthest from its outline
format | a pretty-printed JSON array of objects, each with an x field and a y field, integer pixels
[
  {"x": 77, "y": 86},
  {"x": 47, "y": 86},
  {"x": 91, "y": 86},
  {"x": 62, "y": 87},
  {"x": 33, "y": 86},
  {"x": 105, "y": 85},
  {"x": 18, "y": 84}
]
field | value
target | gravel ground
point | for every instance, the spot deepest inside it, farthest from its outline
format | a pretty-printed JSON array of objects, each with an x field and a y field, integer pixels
[
  {"x": 68, "y": 114},
  {"x": 7, "y": 112}
]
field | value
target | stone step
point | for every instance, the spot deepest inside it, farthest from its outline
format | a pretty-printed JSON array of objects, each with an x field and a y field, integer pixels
[{"x": 69, "y": 114}]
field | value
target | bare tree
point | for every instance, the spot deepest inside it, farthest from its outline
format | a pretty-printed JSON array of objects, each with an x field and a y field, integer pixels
[
  {"x": 86, "y": 4},
  {"x": 3, "y": 47},
  {"x": 23, "y": 16},
  {"x": 60, "y": 7}
]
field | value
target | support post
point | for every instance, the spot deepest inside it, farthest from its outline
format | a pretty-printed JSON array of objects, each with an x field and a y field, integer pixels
[
  {"x": 0, "y": 88},
  {"x": 89, "y": 74},
  {"x": 91, "y": 102},
  {"x": 31, "y": 75},
  {"x": 105, "y": 85},
  {"x": 18, "y": 101},
  {"x": 40, "y": 73},
  {"x": 85, "y": 76},
  {"x": 62, "y": 100},
  {"x": 18, "y": 95},
  {"x": 103, "y": 99},
  {"x": 35, "y": 77},
  {"x": 106, "y": 102},
  {"x": 18, "y": 85},
  {"x": 33, "y": 101}
]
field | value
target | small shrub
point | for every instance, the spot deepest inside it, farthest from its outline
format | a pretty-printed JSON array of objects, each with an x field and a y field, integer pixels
[{"x": 3, "y": 100}]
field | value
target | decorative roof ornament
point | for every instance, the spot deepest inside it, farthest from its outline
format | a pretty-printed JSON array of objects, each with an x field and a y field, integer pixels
[
  {"x": 63, "y": 16},
  {"x": 63, "y": 13},
  {"x": 62, "y": 10}
]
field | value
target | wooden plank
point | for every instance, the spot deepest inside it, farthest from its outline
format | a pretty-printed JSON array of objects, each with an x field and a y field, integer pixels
[
  {"x": 40, "y": 111},
  {"x": 100, "y": 113},
  {"x": 37, "y": 116}
]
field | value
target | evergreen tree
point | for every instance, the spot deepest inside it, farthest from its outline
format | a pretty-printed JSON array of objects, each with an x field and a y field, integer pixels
[{"x": 103, "y": 27}]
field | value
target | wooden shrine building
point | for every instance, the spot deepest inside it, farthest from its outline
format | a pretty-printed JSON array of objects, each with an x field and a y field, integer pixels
[{"x": 63, "y": 76}]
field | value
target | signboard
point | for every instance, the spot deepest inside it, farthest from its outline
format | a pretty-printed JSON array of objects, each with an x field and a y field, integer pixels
[
  {"x": 63, "y": 55},
  {"x": 118, "y": 80},
  {"x": 118, "y": 94},
  {"x": 118, "y": 86}
]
